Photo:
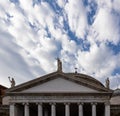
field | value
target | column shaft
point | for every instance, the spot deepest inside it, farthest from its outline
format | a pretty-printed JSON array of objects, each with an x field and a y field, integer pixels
[
  {"x": 12, "y": 109},
  {"x": 93, "y": 109},
  {"x": 107, "y": 109},
  {"x": 80, "y": 107},
  {"x": 67, "y": 110},
  {"x": 53, "y": 110},
  {"x": 40, "y": 110},
  {"x": 26, "y": 110}
]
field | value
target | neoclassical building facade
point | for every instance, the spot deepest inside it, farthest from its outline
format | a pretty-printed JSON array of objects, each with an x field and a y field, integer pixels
[{"x": 60, "y": 94}]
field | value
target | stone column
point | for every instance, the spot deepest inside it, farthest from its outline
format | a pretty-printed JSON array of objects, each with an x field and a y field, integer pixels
[
  {"x": 40, "y": 109},
  {"x": 53, "y": 109},
  {"x": 26, "y": 109},
  {"x": 80, "y": 109},
  {"x": 12, "y": 109},
  {"x": 67, "y": 109},
  {"x": 94, "y": 109},
  {"x": 107, "y": 109}
]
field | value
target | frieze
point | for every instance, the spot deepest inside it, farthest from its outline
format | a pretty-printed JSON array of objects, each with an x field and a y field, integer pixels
[
  {"x": 37, "y": 99},
  {"x": 56, "y": 97}
]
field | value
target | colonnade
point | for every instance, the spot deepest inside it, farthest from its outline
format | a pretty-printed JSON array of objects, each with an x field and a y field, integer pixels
[{"x": 53, "y": 109}]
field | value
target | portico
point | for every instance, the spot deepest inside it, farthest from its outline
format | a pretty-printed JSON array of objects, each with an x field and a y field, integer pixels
[
  {"x": 60, "y": 94},
  {"x": 57, "y": 109}
]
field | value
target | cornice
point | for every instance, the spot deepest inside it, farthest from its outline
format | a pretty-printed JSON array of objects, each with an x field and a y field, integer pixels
[{"x": 59, "y": 94}]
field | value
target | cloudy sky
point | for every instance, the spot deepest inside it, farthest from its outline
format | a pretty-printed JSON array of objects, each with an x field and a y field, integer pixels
[{"x": 82, "y": 33}]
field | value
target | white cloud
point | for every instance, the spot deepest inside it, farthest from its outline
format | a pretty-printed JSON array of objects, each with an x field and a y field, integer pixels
[
  {"x": 68, "y": 45},
  {"x": 116, "y": 5},
  {"x": 107, "y": 19},
  {"x": 104, "y": 3},
  {"x": 110, "y": 4},
  {"x": 106, "y": 26},
  {"x": 61, "y": 3},
  {"x": 99, "y": 61},
  {"x": 114, "y": 81},
  {"x": 12, "y": 62},
  {"x": 77, "y": 17}
]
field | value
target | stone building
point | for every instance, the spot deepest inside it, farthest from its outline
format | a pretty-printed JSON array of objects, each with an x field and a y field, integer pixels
[
  {"x": 115, "y": 103},
  {"x": 60, "y": 94},
  {"x": 2, "y": 92},
  {"x": 4, "y": 109}
]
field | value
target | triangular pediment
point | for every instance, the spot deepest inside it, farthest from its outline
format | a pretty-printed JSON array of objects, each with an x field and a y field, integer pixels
[
  {"x": 59, "y": 85},
  {"x": 59, "y": 82}
]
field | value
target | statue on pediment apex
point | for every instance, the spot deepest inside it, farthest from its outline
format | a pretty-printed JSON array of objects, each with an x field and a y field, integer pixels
[
  {"x": 59, "y": 65},
  {"x": 107, "y": 83}
]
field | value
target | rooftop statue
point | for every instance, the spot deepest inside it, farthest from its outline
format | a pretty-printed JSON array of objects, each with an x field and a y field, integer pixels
[
  {"x": 107, "y": 83},
  {"x": 12, "y": 81},
  {"x": 59, "y": 64}
]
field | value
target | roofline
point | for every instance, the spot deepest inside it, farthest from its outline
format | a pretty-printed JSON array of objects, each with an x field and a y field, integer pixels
[
  {"x": 57, "y": 73},
  {"x": 3, "y": 87},
  {"x": 87, "y": 77},
  {"x": 33, "y": 80}
]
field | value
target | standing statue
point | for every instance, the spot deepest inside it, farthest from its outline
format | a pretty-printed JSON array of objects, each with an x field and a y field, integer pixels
[
  {"x": 107, "y": 83},
  {"x": 59, "y": 63},
  {"x": 12, "y": 81}
]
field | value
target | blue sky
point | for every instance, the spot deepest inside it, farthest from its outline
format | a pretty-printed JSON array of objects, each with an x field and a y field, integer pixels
[{"x": 82, "y": 33}]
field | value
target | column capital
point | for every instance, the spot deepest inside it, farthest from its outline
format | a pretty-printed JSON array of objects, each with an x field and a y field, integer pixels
[
  {"x": 12, "y": 103},
  {"x": 66, "y": 103},
  {"x": 39, "y": 103},
  {"x": 107, "y": 103},
  {"x": 80, "y": 103},
  {"x": 26, "y": 103},
  {"x": 52, "y": 103},
  {"x": 93, "y": 103}
]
